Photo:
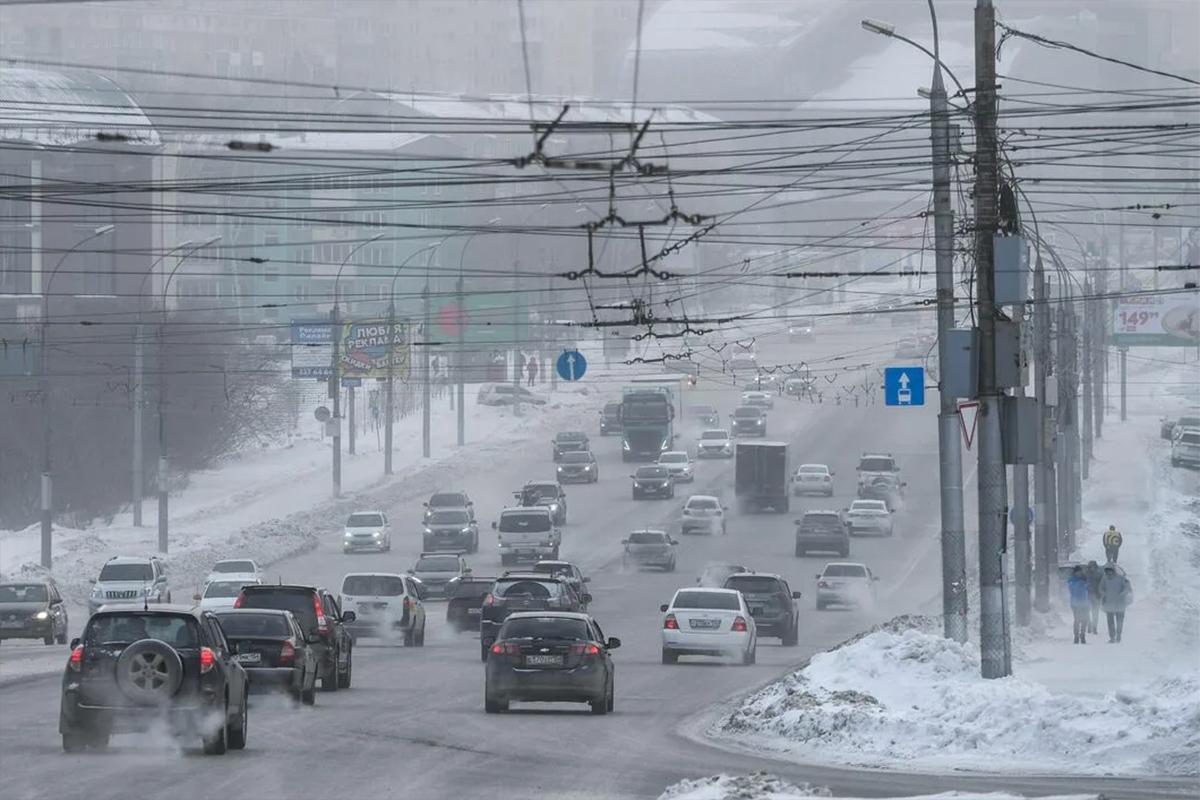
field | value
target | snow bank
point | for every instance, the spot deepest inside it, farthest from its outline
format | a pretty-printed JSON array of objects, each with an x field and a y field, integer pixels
[
  {"x": 760, "y": 786},
  {"x": 915, "y": 700}
]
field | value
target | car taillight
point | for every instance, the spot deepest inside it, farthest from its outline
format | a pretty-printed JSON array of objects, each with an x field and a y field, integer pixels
[
  {"x": 287, "y": 653},
  {"x": 739, "y": 625},
  {"x": 670, "y": 623},
  {"x": 407, "y": 604},
  {"x": 241, "y": 598},
  {"x": 322, "y": 623},
  {"x": 488, "y": 600},
  {"x": 75, "y": 662},
  {"x": 505, "y": 649},
  {"x": 589, "y": 649},
  {"x": 822, "y": 585},
  {"x": 207, "y": 659}
]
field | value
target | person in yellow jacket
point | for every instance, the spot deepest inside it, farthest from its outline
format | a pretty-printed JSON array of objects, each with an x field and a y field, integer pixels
[{"x": 1112, "y": 543}]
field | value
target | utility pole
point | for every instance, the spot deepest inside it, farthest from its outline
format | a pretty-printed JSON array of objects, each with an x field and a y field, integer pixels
[
  {"x": 459, "y": 359},
  {"x": 1088, "y": 377},
  {"x": 516, "y": 324},
  {"x": 1099, "y": 351},
  {"x": 350, "y": 402},
  {"x": 993, "y": 492},
  {"x": 1122, "y": 351},
  {"x": 1044, "y": 505},
  {"x": 391, "y": 377},
  {"x": 138, "y": 476},
  {"x": 1063, "y": 419},
  {"x": 335, "y": 392},
  {"x": 163, "y": 470},
  {"x": 1022, "y": 541},
  {"x": 425, "y": 350}
]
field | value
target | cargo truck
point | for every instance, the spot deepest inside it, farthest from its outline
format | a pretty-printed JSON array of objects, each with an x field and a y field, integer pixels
[
  {"x": 760, "y": 477},
  {"x": 647, "y": 422}
]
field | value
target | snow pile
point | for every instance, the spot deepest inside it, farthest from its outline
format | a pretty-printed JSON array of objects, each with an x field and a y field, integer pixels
[
  {"x": 761, "y": 786},
  {"x": 916, "y": 700}
]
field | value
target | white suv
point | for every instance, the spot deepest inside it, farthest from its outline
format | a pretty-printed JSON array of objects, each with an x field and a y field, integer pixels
[
  {"x": 703, "y": 513},
  {"x": 367, "y": 530},
  {"x": 1185, "y": 447},
  {"x": 130, "y": 579},
  {"x": 384, "y": 605}
]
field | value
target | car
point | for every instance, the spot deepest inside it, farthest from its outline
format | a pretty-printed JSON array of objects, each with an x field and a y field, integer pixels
[
  {"x": 813, "y": 479},
  {"x": 451, "y": 529},
  {"x": 799, "y": 386},
  {"x": 273, "y": 650},
  {"x": 235, "y": 569},
  {"x": 749, "y": 421},
  {"x": 869, "y": 516},
  {"x": 772, "y": 603},
  {"x": 502, "y": 394},
  {"x": 130, "y": 579},
  {"x": 800, "y": 330},
  {"x": 464, "y": 601},
  {"x": 439, "y": 500},
  {"x": 708, "y": 622},
  {"x": 569, "y": 442},
  {"x": 527, "y": 531},
  {"x": 550, "y": 657},
  {"x": 875, "y": 465},
  {"x": 524, "y": 591},
  {"x": 761, "y": 383},
  {"x": 323, "y": 621},
  {"x": 1185, "y": 447},
  {"x": 564, "y": 569},
  {"x": 822, "y": 530},
  {"x": 33, "y": 609},
  {"x": 679, "y": 464},
  {"x": 910, "y": 347},
  {"x": 845, "y": 583},
  {"x": 744, "y": 361},
  {"x": 222, "y": 593},
  {"x": 435, "y": 570},
  {"x": 166, "y": 669},
  {"x": 578, "y": 467},
  {"x": 545, "y": 493},
  {"x": 714, "y": 443},
  {"x": 705, "y": 414},
  {"x": 367, "y": 530},
  {"x": 758, "y": 399},
  {"x": 652, "y": 480},
  {"x": 714, "y": 575},
  {"x": 610, "y": 419},
  {"x": 649, "y": 548},
  {"x": 703, "y": 513},
  {"x": 1168, "y": 426},
  {"x": 386, "y": 605}
]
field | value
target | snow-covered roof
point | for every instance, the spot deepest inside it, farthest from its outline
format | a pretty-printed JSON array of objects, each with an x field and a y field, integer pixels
[
  {"x": 722, "y": 25},
  {"x": 545, "y": 109},
  {"x": 57, "y": 109}
]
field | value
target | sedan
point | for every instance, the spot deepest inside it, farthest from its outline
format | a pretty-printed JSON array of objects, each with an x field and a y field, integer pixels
[
  {"x": 578, "y": 467},
  {"x": 550, "y": 657},
  {"x": 703, "y": 513},
  {"x": 845, "y": 583},
  {"x": 679, "y": 464},
  {"x": 714, "y": 443},
  {"x": 222, "y": 594},
  {"x": 869, "y": 516},
  {"x": 758, "y": 400},
  {"x": 708, "y": 622},
  {"x": 649, "y": 549},
  {"x": 652, "y": 480},
  {"x": 273, "y": 650},
  {"x": 812, "y": 479}
]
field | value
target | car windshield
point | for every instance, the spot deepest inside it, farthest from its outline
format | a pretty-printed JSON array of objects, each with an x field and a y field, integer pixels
[
  {"x": 524, "y": 587},
  {"x": 651, "y": 472},
  {"x": 223, "y": 589},
  {"x": 747, "y": 413},
  {"x": 365, "y": 521},
  {"x": 813, "y": 469},
  {"x": 542, "y": 490},
  {"x": 703, "y": 502},
  {"x": 470, "y": 589},
  {"x": 234, "y": 567},
  {"x": 582, "y": 457},
  {"x": 448, "y": 500},
  {"x": 821, "y": 521},
  {"x": 868, "y": 505},
  {"x": 845, "y": 571},
  {"x": 571, "y": 436},
  {"x": 127, "y": 572},
  {"x": 752, "y": 584},
  {"x": 298, "y": 600},
  {"x": 647, "y": 537},
  {"x": 612, "y": 409},
  {"x": 373, "y": 585},
  {"x": 1188, "y": 422},
  {"x": 714, "y": 435},
  {"x": 693, "y": 598},
  {"x": 545, "y": 628},
  {"x": 524, "y": 521},
  {"x": 437, "y": 564},
  {"x": 176, "y": 630},
  {"x": 450, "y": 516},
  {"x": 557, "y": 570},
  {"x": 673, "y": 458},
  {"x": 876, "y": 465},
  {"x": 23, "y": 593},
  {"x": 702, "y": 410},
  {"x": 241, "y": 624},
  {"x": 1190, "y": 438}
]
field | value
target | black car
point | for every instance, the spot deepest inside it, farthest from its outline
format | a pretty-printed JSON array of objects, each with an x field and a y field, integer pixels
[
  {"x": 274, "y": 651},
  {"x": 524, "y": 592},
  {"x": 578, "y": 467},
  {"x": 545, "y": 493},
  {"x": 822, "y": 531},
  {"x": 136, "y": 668},
  {"x": 550, "y": 657},
  {"x": 610, "y": 419},
  {"x": 569, "y": 442},
  {"x": 748, "y": 421},
  {"x": 32, "y": 610},
  {"x": 439, "y": 500},
  {"x": 652, "y": 480},
  {"x": 450, "y": 529},
  {"x": 322, "y": 621},
  {"x": 464, "y": 601},
  {"x": 706, "y": 415},
  {"x": 770, "y": 601}
]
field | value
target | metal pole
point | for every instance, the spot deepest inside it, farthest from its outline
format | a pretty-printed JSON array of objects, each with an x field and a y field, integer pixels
[
  {"x": 163, "y": 465},
  {"x": 1099, "y": 354},
  {"x": 335, "y": 392},
  {"x": 391, "y": 376},
  {"x": 953, "y": 544},
  {"x": 993, "y": 493},
  {"x": 1044, "y": 505},
  {"x": 459, "y": 358},
  {"x": 139, "y": 488},
  {"x": 1076, "y": 445},
  {"x": 350, "y": 403},
  {"x": 425, "y": 356},
  {"x": 517, "y": 362},
  {"x": 1022, "y": 550},
  {"x": 47, "y": 433},
  {"x": 1122, "y": 352},
  {"x": 1087, "y": 417}
]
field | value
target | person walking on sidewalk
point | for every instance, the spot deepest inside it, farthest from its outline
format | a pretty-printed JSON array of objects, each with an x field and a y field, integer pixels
[
  {"x": 1094, "y": 575},
  {"x": 1116, "y": 595},
  {"x": 533, "y": 370},
  {"x": 1077, "y": 585},
  {"x": 1112, "y": 543}
]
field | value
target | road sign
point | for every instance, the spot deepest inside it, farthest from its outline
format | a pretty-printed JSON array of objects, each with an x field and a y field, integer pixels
[
  {"x": 312, "y": 349},
  {"x": 321, "y": 413},
  {"x": 904, "y": 386},
  {"x": 968, "y": 415},
  {"x": 571, "y": 365}
]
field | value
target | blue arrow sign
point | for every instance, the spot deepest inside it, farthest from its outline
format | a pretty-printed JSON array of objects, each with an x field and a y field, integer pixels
[
  {"x": 904, "y": 386},
  {"x": 571, "y": 365}
]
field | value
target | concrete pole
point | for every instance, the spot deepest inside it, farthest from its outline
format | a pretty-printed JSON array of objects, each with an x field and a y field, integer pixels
[
  {"x": 335, "y": 392},
  {"x": 1088, "y": 362},
  {"x": 350, "y": 402},
  {"x": 1044, "y": 505},
  {"x": 426, "y": 352},
  {"x": 138, "y": 482},
  {"x": 1099, "y": 353},
  {"x": 516, "y": 324},
  {"x": 1123, "y": 351},
  {"x": 390, "y": 389},
  {"x": 163, "y": 465},
  {"x": 460, "y": 359},
  {"x": 46, "y": 515}
]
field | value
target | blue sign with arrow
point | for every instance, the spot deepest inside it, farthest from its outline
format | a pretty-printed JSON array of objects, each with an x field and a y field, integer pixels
[
  {"x": 571, "y": 365},
  {"x": 904, "y": 386}
]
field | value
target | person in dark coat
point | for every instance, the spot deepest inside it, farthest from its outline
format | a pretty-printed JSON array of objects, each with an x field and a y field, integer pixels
[
  {"x": 1116, "y": 594},
  {"x": 1094, "y": 574},
  {"x": 1112, "y": 543},
  {"x": 533, "y": 370},
  {"x": 1077, "y": 585}
]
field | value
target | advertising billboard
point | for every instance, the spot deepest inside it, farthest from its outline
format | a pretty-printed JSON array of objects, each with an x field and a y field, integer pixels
[
  {"x": 1171, "y": 320},
  {"x": 364, "y": 349}
]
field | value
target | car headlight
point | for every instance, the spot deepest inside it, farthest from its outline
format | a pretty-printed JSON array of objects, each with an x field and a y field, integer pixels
[
  {"x": 624, "y": 445},
  {"x": 465, "y": 530},
  {"x": 560, "y": 469},
  {"x": 758, "y": 422},
  {"x": 377, "y": 535},
  {"x": 588, "y": 468},
  {"x": 97, "y": 591},
  {"x": 429, "y": 532},
  {"x": 41, "y": 615}
]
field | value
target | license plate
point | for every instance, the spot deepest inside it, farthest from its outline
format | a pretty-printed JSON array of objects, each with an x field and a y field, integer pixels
[
  {"x": 474, "y": 612},
  {"x": 249, "y": 658},
  {"x": 10, "y": 623},
  {"x": 756, "y": 611},
  {"x": 705, "y": 623},
  {"x": 544, "y": 661}
]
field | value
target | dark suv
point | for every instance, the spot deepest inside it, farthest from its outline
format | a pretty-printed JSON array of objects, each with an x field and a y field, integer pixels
[
  {"x": 610, "y": 419},
  {"x": 770, "y": 601},
  {"x": 135, "y": 668},
  {"x": 464, "y": 601},
  {"x": 440, "y": 500},
  {"x": 822, "y": 531},
  {"x": 32, "y": 610},
  {"x": 321, "y": 619},
  {"x": 569, "y": 442},
  {"x": 524, "y": 591}
]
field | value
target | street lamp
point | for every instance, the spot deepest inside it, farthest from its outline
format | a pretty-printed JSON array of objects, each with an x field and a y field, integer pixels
[
  {"x": 461, "y": 388},
  {"x": 44, "y": 390},
  {"x": 889, "y": 30},
  {"x": 515, "y": 314}
]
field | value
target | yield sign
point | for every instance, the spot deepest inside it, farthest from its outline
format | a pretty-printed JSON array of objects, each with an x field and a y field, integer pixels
[{"x": 968, "y": 414}]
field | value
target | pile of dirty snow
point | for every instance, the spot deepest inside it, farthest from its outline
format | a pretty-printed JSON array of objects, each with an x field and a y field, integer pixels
[
  {"x": 761, "y": 786},
  {"x": 914, "y": 699}
]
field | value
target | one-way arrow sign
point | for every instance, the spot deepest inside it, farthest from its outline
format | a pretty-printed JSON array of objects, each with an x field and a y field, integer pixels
[{"x": 904, "y": 386}]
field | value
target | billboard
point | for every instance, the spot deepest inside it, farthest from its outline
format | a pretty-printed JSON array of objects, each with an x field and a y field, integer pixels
[
  {"x": 312, "y": 349},
  {"x": 364, "y": 349},
  {"x": 487, "y": 319},
  {"x": 1157, "y": 321}
]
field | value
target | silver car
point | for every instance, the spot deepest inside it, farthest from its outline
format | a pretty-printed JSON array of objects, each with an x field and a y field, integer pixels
[
  {"x": 869, "y": 516},
  {"x": 130, "y": 579},
  {"x": 649, "y": 549},
  {"x": 436, "y": 570},
  {"x": 845, "y": 583}
]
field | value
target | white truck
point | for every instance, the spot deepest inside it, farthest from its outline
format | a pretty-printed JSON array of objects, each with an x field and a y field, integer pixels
[{"x": 528, "y": 533}]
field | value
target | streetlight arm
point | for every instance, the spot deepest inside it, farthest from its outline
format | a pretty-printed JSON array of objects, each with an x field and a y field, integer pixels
[
  {"x": 337, "y": 280},
  {"x": 884, "y": 29},
  {"x": 404, "y": 264},
  {"x": 178, "y": 264},
  {"x": 96, "y": 234}
]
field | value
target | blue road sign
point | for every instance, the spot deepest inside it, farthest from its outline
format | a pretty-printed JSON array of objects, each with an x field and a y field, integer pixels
[
  {"x": 571, "y": 365},
  {"x": 351, "y": 383},
  {"x": 904, "y": 386}
]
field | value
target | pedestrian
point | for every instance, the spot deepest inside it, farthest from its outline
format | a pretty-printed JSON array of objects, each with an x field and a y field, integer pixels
[
  {"x": 1094, "y": 575},
  {"x": 1077, "y": 585},
  {"x": 533, "y": 370},
  {"x": 1112, "y": 543},
  {"x": 1116, "y": 594}
]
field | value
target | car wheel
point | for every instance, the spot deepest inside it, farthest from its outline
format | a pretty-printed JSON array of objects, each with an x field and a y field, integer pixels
[
  {"x": 800, "y": 553},
  {"x": 420, "y": 637},
  {"x": 48, "y": 639},
  {"x": 236, "y": 733},
  {"x": 62, "y": 637},
  {"x": 670, "y": 567},
  {"x": 215, "y": 744},
  {"x": 74, "y": 742},
  {"x": 750, "y": 656},
  {"x": 308, "y": 696},
  {"x": 791, "y": 637},
  {"x": 600, "y": 705},
  {"x": 669, "y": 656},
  {"x": 483, "y": 651},
  {"x": 612, "y": 698},
  {"x": 344, "y": 678},
  {"x": 494, "y": 705},
  {"x": 149, "y": 672},
  {"x": 329, "y": 681},
  {"x": 98, "y": 741}
]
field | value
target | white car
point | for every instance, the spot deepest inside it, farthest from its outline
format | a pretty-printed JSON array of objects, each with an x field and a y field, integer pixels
[
  {"x": 367, "y": 530},
  {"x": 223, "y": 592},
  {"x": 1185, "y": 447},
  {"x": 758, "y": 399},
  {"x": 385, "y": 605},
  {"x": 703, "y": 513},
  {"x": 679, "y": 464},
  {"x": 813, "y": 479},
  {"x": 235, "y": 569},
  {"x": 869, "y": 516},
  {"x": 845, "y": 583},
  {"x": 708, "y": 622},
  {"x": 714, "y": 443}
]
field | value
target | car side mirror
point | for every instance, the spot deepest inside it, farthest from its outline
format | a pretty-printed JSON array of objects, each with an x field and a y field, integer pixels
[
  {"x": 426, "y": 505},
  {"x": 632, "y": 476},
  {"x": 797, "y": 521},
  {"x": 585, "y": 597},
  {"x": 817, "y": 576},
  {"x": 494, "y": 526},
  {"x": 409, "y": 571},
  {"x": 796, "y": 595},
  {"x": 196, "y": 597},
  {"x": 349, "y": 616},
  {"x": 75, "y": 643},
  {"x": 613, "y": 643},
  {"x": 903, "y": 484},
  {"x": 832, "y": 473},
  {"x": 624, "y": 541},
  {"x": 663, "y": 608},
  {"x": 874, "y": 577},
  {"x": 92, "y": 581}
]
